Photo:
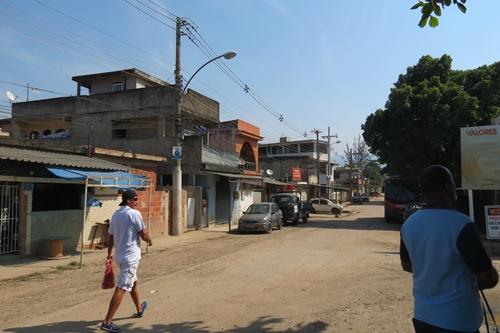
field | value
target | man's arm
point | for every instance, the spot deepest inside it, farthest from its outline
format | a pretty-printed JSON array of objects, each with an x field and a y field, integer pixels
[
  {"x": 405, "y": 257},
  {"x": 475, "y": 256},
  {"x": 145, "y": 237},
  {"x": 111, "y": 243}
]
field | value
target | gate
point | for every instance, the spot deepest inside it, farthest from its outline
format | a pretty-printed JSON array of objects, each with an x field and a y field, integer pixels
[{"x": 9, "y": 217}]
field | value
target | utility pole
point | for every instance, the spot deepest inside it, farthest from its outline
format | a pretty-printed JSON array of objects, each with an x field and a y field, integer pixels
[
  {"x": 329, "y": 137},
  {"x": 177, "y": 227},
  {"x": 317, "y": 131}
]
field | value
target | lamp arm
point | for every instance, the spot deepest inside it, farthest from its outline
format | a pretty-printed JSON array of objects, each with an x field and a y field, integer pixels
[{"x": 199, "y": 69}]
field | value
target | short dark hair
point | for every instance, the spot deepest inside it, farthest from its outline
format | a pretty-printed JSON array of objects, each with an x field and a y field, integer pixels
[{"x": 435, "y": 178}]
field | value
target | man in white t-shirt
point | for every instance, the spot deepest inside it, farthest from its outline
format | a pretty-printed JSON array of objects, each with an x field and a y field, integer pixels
[{"x": 125, "y": 233}]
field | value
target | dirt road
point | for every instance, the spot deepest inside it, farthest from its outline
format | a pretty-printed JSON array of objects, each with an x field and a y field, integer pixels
[{"x": 330, "y": 275}]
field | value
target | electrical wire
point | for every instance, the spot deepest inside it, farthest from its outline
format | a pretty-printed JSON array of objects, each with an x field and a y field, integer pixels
[
  {"x": 151, "y": 16},
  {"x": 110, "y": 52}
]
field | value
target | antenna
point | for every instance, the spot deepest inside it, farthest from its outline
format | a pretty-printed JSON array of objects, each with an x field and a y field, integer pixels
[{"x": 10, "y": 96}]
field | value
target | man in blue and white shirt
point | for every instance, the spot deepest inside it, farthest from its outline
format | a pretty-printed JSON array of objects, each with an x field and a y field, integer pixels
[{"x": 443, "y": 250}]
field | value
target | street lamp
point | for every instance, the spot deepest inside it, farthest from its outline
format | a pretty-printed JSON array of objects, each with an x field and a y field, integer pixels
[{"x": 177, "y": 227}]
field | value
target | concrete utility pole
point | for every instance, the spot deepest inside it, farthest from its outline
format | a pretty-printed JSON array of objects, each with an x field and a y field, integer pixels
[
  {"x": 177, "y": 225},
  {"x": 177, "y": 172},
  {"x": 317, "y": 131},
  {"x": 328, "y": 137}
]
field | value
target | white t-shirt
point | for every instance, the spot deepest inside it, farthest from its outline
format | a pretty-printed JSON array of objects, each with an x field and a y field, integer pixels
[{"x": 126, "y": 223}]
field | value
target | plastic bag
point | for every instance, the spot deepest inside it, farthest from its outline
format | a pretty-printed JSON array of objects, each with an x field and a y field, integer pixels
[{"x": 109, "y": 276}]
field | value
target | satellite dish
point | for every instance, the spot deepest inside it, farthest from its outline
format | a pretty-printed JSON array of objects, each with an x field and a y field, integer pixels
[
  {"x": 10, "y": 96},
  {"x": 269, "y": 172}
]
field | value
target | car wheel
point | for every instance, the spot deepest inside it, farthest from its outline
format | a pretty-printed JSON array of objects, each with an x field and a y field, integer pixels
[
  {"x": 296, "y": 220},
  {"x": 270, "y": 228},
  {"x": 280, "y": 223},
  {"x": 335, "y": 211}
]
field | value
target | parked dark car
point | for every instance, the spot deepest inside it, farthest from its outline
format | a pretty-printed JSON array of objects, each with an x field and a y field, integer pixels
[
  {"x": 291, "y": 206},
  {"x": 410, "y": 209},
  {"x": 264, "y": 216},
  {"x": 365, "y": 197},
  {"x": 357, "y": 199}
]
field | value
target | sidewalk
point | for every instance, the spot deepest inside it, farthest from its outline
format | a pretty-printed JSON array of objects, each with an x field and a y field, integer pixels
[{"x": 13, "y": 267}]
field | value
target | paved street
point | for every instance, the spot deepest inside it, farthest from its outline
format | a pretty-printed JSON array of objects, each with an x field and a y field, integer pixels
[{"x": 330, "y": 275}]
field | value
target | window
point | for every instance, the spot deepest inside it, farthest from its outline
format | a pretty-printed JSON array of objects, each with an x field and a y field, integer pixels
[
  {"x": 57, "y": 197},
  {"x": 323, "y": 202},
  {"x": 117, "y": 86},
  {"x": 119, "y": 133}
]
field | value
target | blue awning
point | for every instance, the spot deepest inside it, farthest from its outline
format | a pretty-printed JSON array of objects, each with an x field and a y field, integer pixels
[{"x": 117, "y": 179}]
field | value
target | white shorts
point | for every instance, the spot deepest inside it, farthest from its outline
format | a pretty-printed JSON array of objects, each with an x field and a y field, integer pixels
[{"x": 127, "y": 276}]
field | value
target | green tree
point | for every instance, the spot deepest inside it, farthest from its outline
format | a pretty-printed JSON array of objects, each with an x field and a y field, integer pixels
[
  {"x": 373, "y": 172},
  {"x": 358, "y": 154},
  {"x": 431, "y": 9},
  {"x": 420, "y": 124}
]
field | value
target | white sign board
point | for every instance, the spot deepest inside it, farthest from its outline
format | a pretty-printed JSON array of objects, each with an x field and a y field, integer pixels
[
  {"x": 492, "y": 215},
  {"x": 480, "y": 155},
  {"x": 176, "y": 152}
]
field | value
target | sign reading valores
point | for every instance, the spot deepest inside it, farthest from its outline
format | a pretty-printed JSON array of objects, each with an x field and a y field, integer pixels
[
  {"x": 492, "y": 215},
  {"x": 176, "y": 152},
  {"x": 480, "y": 151}
]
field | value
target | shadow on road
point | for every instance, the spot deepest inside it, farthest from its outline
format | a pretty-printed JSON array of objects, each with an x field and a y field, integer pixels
[
  {"x": 261, "y": 324},
  {"x": 362, "y": 223}
]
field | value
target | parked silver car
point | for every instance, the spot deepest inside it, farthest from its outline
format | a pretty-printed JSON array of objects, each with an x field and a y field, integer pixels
[
  {"x": 322, "y": 205},
  {"x": 264, "y": 216}
]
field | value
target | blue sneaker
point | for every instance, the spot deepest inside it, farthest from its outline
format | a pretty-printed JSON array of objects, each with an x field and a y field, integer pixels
[
  {"x": 110, "y": 328},
  {"x": 144, "y": 306}
]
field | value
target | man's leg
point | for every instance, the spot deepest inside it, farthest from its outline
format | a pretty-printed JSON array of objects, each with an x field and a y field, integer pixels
[
  {"x": 135, "y": 297},
  {"x": 114, "y": 304}
]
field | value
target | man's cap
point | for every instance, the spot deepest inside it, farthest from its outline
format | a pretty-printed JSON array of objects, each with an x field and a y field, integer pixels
[{"x": 127, "y": 195}]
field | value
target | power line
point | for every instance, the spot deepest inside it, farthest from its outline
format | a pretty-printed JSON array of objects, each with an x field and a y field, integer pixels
[
  {"x": 85, "y": 47},
  {"x": 151, "y": 16},
  {"x": 94, "y": 28}
]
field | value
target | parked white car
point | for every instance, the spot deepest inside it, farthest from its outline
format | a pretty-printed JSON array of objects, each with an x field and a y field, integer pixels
[{"x": 322, "y": 205}]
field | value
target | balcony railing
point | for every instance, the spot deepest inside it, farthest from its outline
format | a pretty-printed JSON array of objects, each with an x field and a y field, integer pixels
[{"x": 250, "y": 166}]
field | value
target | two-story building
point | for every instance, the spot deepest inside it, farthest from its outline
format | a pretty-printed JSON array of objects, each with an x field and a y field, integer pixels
[
  {"x": 131, "y": 111},
  {"x": 303, "y": 161}
]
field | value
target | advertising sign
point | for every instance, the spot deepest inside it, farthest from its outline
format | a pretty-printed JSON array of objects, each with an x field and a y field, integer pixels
[
  {"x": 480, "y": 154},
  {"x": 492, "y": 215},
  {"x": 296, "y": 174}
]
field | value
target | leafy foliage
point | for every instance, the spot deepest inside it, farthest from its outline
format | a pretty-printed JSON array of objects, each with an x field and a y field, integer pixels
[
  {"x": 420, "y": 124},
  {"x": 358, "y": 156},
  {"x": 431, "y": 9}
]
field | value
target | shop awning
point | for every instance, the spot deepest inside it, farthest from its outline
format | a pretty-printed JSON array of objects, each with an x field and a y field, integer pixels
[
  {"x": 117, "y": 179},
  {"x": 274, "y": 181},
  {"x": 235, "y": 177}
]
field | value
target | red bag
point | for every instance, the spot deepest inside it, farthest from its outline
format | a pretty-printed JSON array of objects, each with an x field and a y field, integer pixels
[{"x": 109, "y": 276}]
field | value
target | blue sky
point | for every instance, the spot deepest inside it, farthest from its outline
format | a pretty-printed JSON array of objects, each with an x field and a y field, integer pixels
[{"x": 318, "y": 63}]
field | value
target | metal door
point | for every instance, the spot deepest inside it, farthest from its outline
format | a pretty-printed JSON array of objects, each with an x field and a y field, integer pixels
[{"x": 9, "y": 217}]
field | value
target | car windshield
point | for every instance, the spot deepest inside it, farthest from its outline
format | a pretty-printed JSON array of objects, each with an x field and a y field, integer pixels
[
  {"x": 282, "y": 199},
  {"x": 258, "y": 209}
]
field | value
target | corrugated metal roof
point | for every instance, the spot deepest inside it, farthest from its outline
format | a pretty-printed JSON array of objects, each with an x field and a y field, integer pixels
[
  {"x": 218, "y": 160},
  {"x": 50, "y": 158}
]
